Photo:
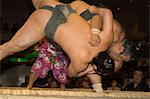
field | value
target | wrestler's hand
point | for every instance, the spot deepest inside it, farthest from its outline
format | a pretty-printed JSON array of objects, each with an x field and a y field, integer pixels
[{"x": 94, "y": 40}]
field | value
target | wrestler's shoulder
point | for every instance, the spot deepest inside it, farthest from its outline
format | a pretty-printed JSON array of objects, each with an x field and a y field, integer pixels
[
  {"x": 84, "y": 55},
  {"x": 79, "y": 3}
]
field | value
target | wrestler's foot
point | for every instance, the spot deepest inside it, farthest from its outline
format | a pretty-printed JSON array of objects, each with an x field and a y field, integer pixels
[
  {"x": 62, "y": 87},
  {"x": 29, "y": 87},
  {"x": 97, "y": 87}
]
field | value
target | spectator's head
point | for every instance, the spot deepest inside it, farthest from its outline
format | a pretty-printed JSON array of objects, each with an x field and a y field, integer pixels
[
  {"x": 141, "y": 62},
  {"x": 138, "y": 76},
  {"x": 126, "y": 81},
  {"x": 114, "y": 83},
  {"x": 148, "y": 81},
  {"x": 26, "y": 79}
]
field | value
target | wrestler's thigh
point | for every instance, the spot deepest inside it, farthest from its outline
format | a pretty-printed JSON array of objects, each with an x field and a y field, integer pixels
[
  {"x": 26, "y": 39},
  {"x": 28, "y": 35},
  {"x": 31, "y": 32}
]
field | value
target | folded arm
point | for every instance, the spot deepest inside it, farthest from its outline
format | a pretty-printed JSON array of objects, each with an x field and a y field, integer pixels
[
  {"x": 102, "y": 21},
  {"x": 118, "y": 66},
  {"x": 106, "y": 32}
]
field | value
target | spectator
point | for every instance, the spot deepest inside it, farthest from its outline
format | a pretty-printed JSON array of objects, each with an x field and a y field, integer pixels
[
  {"x": 125, "y": 82},
  {"x": 71, "y": 83},
  {"x": 78, "y": 82},
  {"x": 52, "y": 83},
  {"x": 138, "y": 83},
  {"x": 41, "y": 82},
  {"x": 148, "y": 83},
  {"x": 141, "y": 62},
  {"x": 26, "y": 82},
  {"x": 114, "y": 86}
]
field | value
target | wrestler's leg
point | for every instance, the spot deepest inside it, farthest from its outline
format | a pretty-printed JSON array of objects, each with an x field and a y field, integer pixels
[
  {"x": 33, "y": 77},
  {"x": 28, "y": 34},
  {"x": 18, "y": 43},
  {"x": 41, "y": 66}
]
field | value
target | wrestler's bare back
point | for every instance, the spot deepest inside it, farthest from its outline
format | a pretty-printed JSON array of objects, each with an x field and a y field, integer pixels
[{"x": 73, "y": 37}]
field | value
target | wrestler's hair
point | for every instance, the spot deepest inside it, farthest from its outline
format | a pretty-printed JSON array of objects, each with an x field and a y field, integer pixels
[
  {"x": 104, "y": 63},
  {"x": 139, "y": 70},
  {"x": 130, "y": 49}
]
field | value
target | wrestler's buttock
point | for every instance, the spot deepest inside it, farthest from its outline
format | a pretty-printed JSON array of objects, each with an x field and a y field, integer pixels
[{"x": 59, "y": 16}]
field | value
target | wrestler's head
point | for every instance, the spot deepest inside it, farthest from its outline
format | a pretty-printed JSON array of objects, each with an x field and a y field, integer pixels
[
  {"x": 103, "y": 64},
  {"x": 123, "y": 51}
]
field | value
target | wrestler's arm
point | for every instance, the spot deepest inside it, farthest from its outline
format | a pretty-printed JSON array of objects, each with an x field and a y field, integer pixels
[
  {"x": 95, "y": 23},
  {"x": 95, "y": 78},
  {"x": 107, "y": 25},
  {"x": 96, "y": 26},
  {"x": 119, "y": 33},
  {"x": 89, "y": 70},
  {"x": 118, "y": 66},
  {"x": 102, "y": 21}
]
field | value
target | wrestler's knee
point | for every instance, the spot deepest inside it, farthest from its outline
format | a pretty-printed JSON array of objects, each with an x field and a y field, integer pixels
[{"x": 18, "y": 46}]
